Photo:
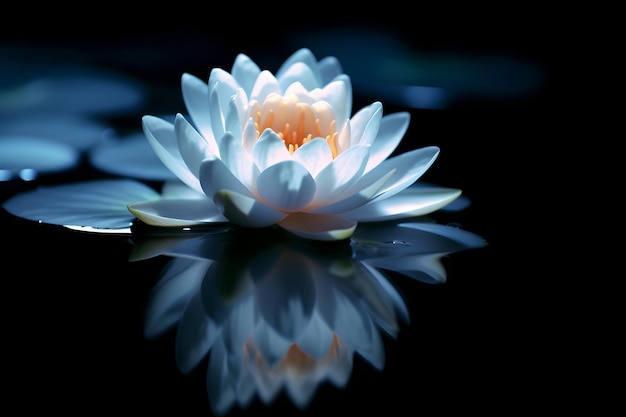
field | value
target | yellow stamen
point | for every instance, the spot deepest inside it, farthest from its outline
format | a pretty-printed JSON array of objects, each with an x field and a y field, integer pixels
[{"x": 296, "y": 123}]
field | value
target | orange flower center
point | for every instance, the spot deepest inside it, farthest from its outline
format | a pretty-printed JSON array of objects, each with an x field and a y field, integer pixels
[{"x": 296, "y": 122}]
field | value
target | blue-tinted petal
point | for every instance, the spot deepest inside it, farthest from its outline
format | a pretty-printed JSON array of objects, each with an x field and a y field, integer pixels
[
  {"x": 286, "y": 186},
  {"x": 408, "y": 203},
  {"x": 176, "y": 213},
  {"x": 246, "y": 211}
]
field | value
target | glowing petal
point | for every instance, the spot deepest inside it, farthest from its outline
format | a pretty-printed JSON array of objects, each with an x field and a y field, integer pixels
[
  {"x": 162, "y": 136},
  {"x": 246, "y": 211},
  {"x": 410, "y": 202},
  {"x": 176, "y": 213},
  {"x": 287, "y": 186},
  {"x": 196, "y": 97},
  {"x": 391, "y": 131},
  {"x": 215, "y": 176}
]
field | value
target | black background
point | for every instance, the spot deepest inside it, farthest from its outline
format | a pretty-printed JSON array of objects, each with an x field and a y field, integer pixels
[{"x": 73, "y": 305}]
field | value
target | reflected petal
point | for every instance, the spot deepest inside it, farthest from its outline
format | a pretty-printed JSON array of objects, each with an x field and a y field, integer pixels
[{"x": 280, "y": 314}]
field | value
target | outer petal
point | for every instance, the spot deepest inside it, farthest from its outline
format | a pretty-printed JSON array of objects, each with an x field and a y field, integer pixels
[
  {"x": 238, "y": 161},
  {"x": 408, "y": 167},
  {"x": 215, "y": 176},
  {"x": 171, "y": 212},
  {"x": 367, "y": 190},
  {"x": 340, "y": 174},
  {"x": 162, "y": 138},
  {"x": 193, "y": 147},
  {"x": 224, "y": 83},
  {"x": 286, "y": 186},
  {"x": 245, "y": 71},
  {"x": 196, "y": 99},
  {"x": 365, "y": 123},
  {"x": 246, "y": 211},
  {"x": 319, "y": 227},
  {"x": 390, "y": 132},
  {"x": 410, "y": 202}
]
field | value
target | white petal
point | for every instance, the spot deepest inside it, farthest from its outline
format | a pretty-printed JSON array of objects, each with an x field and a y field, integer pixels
[
  {"x": 196, "y": 98},
  {"x": 215, "y": 176},
  {"x": 217, "y": 104},
  {"x": 238, "y": 161},
  {"x": 245, "y": 71},
  {"x": 91, "y": 205},
  {"x": 286, "y": 186},
  {"x": 302, "y": 55},
  {"x": 359, "y": 195},
  {"x": 314, "y": 155},
  {"x": 223, "y": 83},
  {"x": 408, "y": 167},
  {"x": 171, "y": 212},
  {"x": 329, "y": 69},
  {"x": 193, "y": 148},
  {"x": 232, "y": 116},
  {"x": 319, "y": 227},
  {"x": 340, "y": 174},
  {"x": 246, "y": 211},
  {"x": 410, "y": 202},
  {"x": 162, "y": 137},
  {"x": 248, "y": 135},
  {"x": 301, "y": 73},
  {"x": 364, "y": 124},
  {"x": 269, "y": 150},
  {"x": 265, "y": 84},
  {"x": 338, "y": 95},
  {"x": 390, "y": 132}
]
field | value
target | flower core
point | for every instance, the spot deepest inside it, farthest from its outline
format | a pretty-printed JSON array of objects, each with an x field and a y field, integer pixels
[
  {"x": 295, "y": 360},
  {"x": 296, "y": 122}
]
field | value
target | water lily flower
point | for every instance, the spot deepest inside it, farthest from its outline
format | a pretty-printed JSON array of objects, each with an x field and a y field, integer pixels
[{"x": 285, "y": 149}]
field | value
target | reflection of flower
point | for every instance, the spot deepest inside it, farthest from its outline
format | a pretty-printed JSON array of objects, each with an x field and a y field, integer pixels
[
  {"x": 278, "y": 314},
  {"x": 282, "y": 149}
]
